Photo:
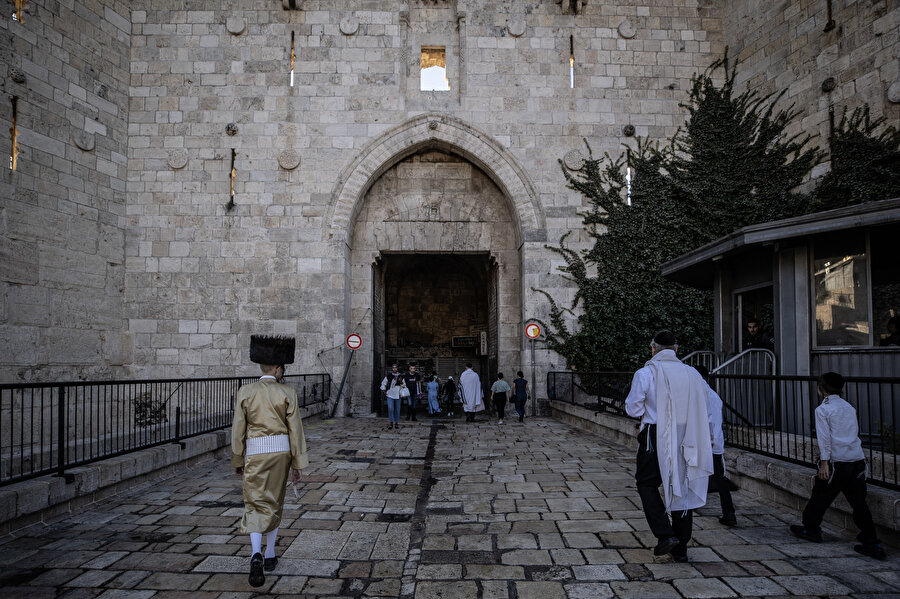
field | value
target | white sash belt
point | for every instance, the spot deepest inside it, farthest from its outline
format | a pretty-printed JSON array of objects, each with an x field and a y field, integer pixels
[{"x": 270, "y": 444}]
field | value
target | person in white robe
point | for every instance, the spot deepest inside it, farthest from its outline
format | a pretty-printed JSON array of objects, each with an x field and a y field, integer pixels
[
  {"x": 471, "y": 393},
  {"x": 674, "y": 449}
]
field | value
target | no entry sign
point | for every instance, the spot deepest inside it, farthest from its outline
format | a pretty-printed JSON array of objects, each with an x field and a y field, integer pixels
[
  {"x": 532, "y": 330},
  {"x": 354, "y": 341}
]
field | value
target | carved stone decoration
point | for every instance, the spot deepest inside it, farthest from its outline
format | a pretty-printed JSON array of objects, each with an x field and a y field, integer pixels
[
  {"x": 83, "y": 140},
  {"x": 349, "y": 25},
  {"x": 516, "y": 26},
  {"x": 574, "y": 160},
  {"x": 571, "y": 7},
  {"x": 626, "y": 29},
  {"x": 178, "y": 158},
  {"x": 236, "y": 25},
  {"x": 432, "y": 125},
  {"x": 16, "y": 75},
  {"x": 289, "y": 159},
  {"x": 628, "y": 130},
  {"x": 828, "y": 85},
  {"x": 894, "y": 92},
  {"x": 231, "y": 129}
]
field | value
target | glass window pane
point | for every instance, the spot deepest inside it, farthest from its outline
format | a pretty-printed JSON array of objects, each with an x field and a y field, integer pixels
[
  {"x": 842, "y": 301},
  {"x": 885, "y": 285}
]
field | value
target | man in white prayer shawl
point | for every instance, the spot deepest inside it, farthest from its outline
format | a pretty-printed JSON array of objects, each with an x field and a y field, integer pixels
[
  {"x": 471, "y": 393},
  {"x": 674, "y": 447}
]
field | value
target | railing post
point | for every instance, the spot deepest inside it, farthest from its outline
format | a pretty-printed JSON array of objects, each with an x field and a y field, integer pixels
[
  {"x": 61, "y": 436},
  {"x": 178, "y": 426}
]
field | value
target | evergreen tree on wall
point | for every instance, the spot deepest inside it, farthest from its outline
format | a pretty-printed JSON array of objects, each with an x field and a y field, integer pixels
[
  {"x": 865, "y": 165},
  {"x": 732, "y": 165}
]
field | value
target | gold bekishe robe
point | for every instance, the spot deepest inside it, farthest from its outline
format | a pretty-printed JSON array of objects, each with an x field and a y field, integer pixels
[{"x": 263, "y": 409}]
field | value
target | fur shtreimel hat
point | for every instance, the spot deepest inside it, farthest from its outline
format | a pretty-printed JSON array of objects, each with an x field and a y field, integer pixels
[{"x": 275, "y": 351}]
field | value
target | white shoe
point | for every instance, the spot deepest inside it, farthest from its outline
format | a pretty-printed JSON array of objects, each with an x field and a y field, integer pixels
[{"x": 501, "y": 422}]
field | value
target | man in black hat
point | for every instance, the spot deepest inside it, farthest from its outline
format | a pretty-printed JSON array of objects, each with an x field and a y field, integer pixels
[
  {"x": 674, "y": 447},
  {"x": 267, "y": 443}
]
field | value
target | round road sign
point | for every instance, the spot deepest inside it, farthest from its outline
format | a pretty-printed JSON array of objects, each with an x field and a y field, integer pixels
[
  {"x": 354, "y": 341},
  {"x": 532, "y": 330}
]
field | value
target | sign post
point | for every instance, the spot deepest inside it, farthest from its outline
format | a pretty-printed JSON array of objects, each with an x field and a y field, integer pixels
[
  {"x": 533, "y": 331},
  {"x": 354, "y": 342}
]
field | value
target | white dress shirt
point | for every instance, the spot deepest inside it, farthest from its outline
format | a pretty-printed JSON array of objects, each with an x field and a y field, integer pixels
[
  {"x": 714, "y": 411},
  {"x": 837, "y": 431},
  {"x": 641, "y": 400}
]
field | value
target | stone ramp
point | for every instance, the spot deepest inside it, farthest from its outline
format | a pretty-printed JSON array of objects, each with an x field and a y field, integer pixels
[{"x": 439, "y": 509}]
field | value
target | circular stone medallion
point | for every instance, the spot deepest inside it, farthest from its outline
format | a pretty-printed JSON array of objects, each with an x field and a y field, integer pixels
[
  {"x": 349, "y": 25},
  {"x": 289, "y": 159},
  {"x": 178, "y": 158},
  {"x": 235, "y": 25},
  {"x": 83, "y": 140},
  {"x": 574, "y": 160},
  {"x": 516, "y": 26},
  {"x": 894, "y": 92},
  {"x": 626, "y": 29}
]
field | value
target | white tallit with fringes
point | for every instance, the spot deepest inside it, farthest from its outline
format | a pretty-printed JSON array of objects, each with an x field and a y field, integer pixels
[{"x": 683, "y": 445}]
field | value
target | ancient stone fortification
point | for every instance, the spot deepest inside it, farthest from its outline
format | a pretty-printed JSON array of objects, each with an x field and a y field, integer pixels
[{"x": 121, "y": 255}]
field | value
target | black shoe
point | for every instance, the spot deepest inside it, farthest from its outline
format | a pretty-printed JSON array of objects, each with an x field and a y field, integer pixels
[
  {"x": 872, "y": 550},
  {"x": 681, "y": 558},
  {"x": 801, "y": 532},
  {"x": 521, "y": 419},
  {"x": 728, "y": 520},
  {"x": 257, "y": 577},
  {"x": 269, "y": 563},
  {"x": 666, "y": 545}
]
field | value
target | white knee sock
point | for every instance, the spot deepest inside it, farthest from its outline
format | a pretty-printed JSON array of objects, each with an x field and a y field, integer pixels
[
  {"x": 255, "y": 543},
  {"x": 271, "y": 537}
]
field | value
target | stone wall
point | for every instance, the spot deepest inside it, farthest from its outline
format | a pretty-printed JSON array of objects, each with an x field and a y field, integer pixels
[
  {"x": 61, "y": 241},
  {"x": 784, "y": 46}
]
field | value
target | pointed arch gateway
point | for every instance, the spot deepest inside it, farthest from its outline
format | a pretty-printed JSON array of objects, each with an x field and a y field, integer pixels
[{"x": 433, "y": 216}]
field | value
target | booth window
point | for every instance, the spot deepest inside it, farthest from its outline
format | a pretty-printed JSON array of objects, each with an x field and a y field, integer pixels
[
  {"x": 434, "y": 69},
  {"x": 841, "y": 281}
]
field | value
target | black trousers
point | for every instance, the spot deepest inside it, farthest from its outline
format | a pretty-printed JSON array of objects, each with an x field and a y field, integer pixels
[
  {"x": 648, "y": 481},
  {"x": 850, "y": 479},
  {"x": 500, "y": 404},
  {"x": 721, "y": 484}
]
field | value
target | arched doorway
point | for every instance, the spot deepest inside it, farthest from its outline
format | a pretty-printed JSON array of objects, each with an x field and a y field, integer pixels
[{"x": 433, "y": 189}]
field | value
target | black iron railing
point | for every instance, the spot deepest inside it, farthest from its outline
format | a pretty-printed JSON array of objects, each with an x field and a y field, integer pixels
[
  {"x": 598, "y": 391},
  {"x": 46, "y": 428},
  {"x": 769, "y": 415}
]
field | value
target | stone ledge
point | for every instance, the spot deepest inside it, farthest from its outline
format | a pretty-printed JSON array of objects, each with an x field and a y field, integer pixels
[{"x": 779, "y": 481}]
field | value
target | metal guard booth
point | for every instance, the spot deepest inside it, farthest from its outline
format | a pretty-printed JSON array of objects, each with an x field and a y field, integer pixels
[{"x": 825, "y": 287}]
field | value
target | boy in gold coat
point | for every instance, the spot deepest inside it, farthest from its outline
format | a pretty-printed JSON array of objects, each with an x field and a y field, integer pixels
[{"x": 267, "y": 442}]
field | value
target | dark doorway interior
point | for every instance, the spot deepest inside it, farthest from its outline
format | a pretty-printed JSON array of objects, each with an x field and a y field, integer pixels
[{"x": 436, "y": 310}]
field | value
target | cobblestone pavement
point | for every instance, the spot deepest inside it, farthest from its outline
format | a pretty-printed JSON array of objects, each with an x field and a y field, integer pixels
[{"x": 438, "y": 509}]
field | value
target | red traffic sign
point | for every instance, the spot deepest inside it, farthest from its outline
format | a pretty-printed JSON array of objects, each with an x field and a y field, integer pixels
[
  {"x": 354, "y": 341},
  {"x": 532, "y": 330}
]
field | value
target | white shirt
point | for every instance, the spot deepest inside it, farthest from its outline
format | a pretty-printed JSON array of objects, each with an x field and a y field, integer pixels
[
  {"x": 714, "y": 411},
  {"x": 837, "y": 431},
  {"x": 641, "y": 400}
]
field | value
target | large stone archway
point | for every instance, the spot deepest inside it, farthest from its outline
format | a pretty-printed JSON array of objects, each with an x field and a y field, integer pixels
[{"x": 433, "y": 186}]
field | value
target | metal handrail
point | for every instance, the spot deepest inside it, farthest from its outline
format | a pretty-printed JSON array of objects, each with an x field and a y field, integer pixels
[
  {"x": 702, "y": 357},
  {"x": 51, "y": 427},
  {"x": 747, "y": 352}
]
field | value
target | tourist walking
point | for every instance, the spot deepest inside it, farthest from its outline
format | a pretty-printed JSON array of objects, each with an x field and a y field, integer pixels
[
  {"x": 450, "y": 395},
  {"x": 674, "y": 448},
  {"x": 499, "y": 391},
  {"x": 393, "y": 386},
  {"x": 471, "y": 393},
  {"x": 718, "y": 481},
  {"x": 411, "y": 379},
  {"x": 431, "y": 387},
  {"x": 520, "y": 391},
  {"x": 842, "y": 469},
  {"x": 267, "y": 443}
]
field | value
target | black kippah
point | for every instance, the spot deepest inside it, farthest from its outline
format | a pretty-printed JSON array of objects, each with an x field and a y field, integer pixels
[
  {"x": 833, "y": 381},
  {"x": 665, "y": 338}
]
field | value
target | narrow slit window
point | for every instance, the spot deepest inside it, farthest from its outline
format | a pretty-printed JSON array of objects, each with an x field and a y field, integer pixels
[
  {"x": 293, "y": 56},
  {"x": 434, "y": 69},
  {"x": 628, "y": 177},
  {"x": 14, "y": 135},
  {"x": 572, "y": 61}
]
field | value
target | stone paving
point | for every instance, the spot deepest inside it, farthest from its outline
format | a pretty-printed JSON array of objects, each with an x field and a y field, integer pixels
[{"x": 437, "y": 510}]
